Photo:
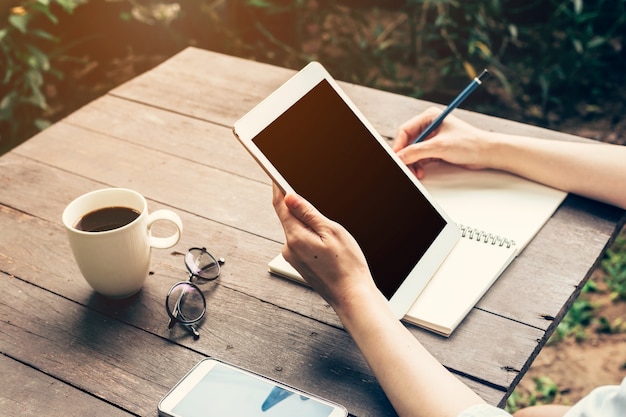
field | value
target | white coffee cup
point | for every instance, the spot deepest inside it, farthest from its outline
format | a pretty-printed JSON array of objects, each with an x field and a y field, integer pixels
[{"x": 116, "y": 262}]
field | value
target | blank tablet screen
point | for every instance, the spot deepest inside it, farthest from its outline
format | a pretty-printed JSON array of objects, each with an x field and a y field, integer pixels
[{"x": 330, "y": 158}]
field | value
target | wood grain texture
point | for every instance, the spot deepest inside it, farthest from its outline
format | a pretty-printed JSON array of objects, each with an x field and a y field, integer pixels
[
  {"x": 21, "y": 389},
  {"x": 242, "y": 272},
  {"x": 167, "y": 135}
]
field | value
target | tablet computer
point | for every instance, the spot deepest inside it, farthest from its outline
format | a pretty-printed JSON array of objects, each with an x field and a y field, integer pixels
[{"x": 311, "y": 139}]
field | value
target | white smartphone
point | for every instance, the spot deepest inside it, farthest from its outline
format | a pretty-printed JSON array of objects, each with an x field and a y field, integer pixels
[
  {"x": 215, "y": 388},
  {"x": 310, "y": 138}
]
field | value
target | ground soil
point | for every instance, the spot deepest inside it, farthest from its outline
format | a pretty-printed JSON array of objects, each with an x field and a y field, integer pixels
[{"x": 577, "y": 366}]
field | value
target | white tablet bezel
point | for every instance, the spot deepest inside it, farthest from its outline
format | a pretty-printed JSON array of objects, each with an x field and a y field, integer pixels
[
  {"x": 271, "y": 108},
  {"x": 180, "y": 391}
]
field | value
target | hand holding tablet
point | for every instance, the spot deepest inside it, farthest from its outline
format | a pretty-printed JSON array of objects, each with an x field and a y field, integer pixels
[{"x": 311, "y": 139}]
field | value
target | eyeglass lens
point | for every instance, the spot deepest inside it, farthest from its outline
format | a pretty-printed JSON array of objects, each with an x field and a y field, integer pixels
[
  {"x": 185, "y": 302},
  {"x": 201, "y": 264}
]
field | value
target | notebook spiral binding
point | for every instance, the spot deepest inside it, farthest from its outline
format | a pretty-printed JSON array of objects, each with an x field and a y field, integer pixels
[{"x": 482, "y": 236}]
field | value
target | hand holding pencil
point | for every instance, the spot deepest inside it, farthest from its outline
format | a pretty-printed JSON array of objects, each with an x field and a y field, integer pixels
[
  {"x": 453, "y": 105},
  {"x": 454, "y": 141}
]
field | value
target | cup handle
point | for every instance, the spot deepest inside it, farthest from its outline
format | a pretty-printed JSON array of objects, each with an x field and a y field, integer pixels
[{"x": 164, "y": 242}]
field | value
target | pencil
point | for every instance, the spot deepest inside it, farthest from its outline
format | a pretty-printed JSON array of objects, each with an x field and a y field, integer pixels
[{"x": 455, "y": 103}]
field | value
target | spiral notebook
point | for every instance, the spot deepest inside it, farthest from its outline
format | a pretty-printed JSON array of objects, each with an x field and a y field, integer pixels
[{"x": 498, "y": 214}]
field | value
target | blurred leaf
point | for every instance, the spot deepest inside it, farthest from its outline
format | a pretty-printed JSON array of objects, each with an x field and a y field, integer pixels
[
  {"x": 42, "y": 124},
  {"x": 546, "y": 388},
  {"x": 44, "y": 35},
  {"x": 8, "y": 73},
  {"x": 469, "y": 69},
  {"x": 259, "y": 3},
  {"x": 481, "y": 46},
  {"x": 43, "y": 7},
  {"x": 34, "y": 81},
  {"x": 617, "y": 326},
  {"x": 7, "y": 104},
  {"x": 595, "y": 42},
  {"x": 20, "y": 22},
  {"x": 590, "y": 287},
  {"x": 70, "y": 5},
  {"x": 578, "y": 6},
  {"x": 38, "y": 60},
  {"x": 578, "y": 45}
]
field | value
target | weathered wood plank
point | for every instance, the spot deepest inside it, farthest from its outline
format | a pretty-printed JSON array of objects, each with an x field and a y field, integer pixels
[
  {"x": 27, "y": 240},
  {"x": 230, "y": 87},
  {"x": 185, "y": 137},
  {"x": 547, "y": 251},
  {"x": 224, "y": 91},
  {"x": 25, "y": 392},
  {"x": 196, "y": 188},
  {"x": 83, "y": 348},
  {"x": 128, "y": 366}
]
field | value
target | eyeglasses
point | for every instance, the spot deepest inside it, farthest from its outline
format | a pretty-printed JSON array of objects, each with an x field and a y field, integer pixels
[{"x": 185, "y": 303}]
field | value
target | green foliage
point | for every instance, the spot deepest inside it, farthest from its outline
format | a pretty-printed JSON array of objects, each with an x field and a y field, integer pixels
[
  {"x": 578, "y": 48},
  {"x": 583, "y": 313},
  {"x": 549, "y": 58},
  {"x": 545, "y": 392},
  {"x": 579, "y": 317},
  {"x": 618, "y": 325},
  {"x": 614, "y": 264},
  {"x": 26, "y": 62},
  {"x": 547, "y": 55}
]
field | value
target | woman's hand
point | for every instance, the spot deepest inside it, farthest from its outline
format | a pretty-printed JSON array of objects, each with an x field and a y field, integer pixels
[
  {"x": 454, "y": 141},
  {"x": 322, "y": 251},
  {"x": 329, "y": 258}
]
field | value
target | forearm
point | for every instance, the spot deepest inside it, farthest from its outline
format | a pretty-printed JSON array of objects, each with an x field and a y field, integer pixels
[
  {"x": 414, "y": 381},
  {"x": 597, "y": 170}
]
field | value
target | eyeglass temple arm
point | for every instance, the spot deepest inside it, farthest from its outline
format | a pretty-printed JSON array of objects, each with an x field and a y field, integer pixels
[
  {"x": 220, "y": 261},
  {"x": 190, "y": 327},
  {"x": 193, "y": 330},
  {"x": 176, "y": 313}
]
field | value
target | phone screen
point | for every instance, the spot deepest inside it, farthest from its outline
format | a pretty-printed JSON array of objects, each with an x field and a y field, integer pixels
[
  {"x": 227, "y": 391},
  {"x": 363, "y": 188}
]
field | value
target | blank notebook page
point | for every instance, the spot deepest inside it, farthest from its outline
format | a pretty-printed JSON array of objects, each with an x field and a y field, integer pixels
[{"x": 510, "y": 208}]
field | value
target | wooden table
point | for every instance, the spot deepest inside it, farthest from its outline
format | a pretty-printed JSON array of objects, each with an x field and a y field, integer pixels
[{"x": 67, "y": 351}]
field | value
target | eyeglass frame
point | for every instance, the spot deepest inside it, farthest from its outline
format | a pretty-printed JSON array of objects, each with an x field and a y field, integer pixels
[{"x": 175, "y": 316}]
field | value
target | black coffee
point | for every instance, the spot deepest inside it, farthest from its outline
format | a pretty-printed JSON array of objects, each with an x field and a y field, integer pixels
[{"x": 107, "y": 218}]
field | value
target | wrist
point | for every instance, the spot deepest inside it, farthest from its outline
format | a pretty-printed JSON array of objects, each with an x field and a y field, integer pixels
[
  {"x": 494, "y": 150},
  {"x": 362, "y": 304}
]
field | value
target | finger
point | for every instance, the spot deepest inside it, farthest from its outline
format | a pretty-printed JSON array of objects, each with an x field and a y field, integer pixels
[
  {"x": 306, "y": 213},
  {"x": 278, "y": 200},
  {"x": 423, "y": 151},
  {"x": 277, "y": 193},
  {"x": 413, "y": 127},
  {"x": 291, "y": 210},
  {"x": 401, "y": 140},
  {"x": 290, "y": 224},
  {"x": 417, "y": 169}
]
